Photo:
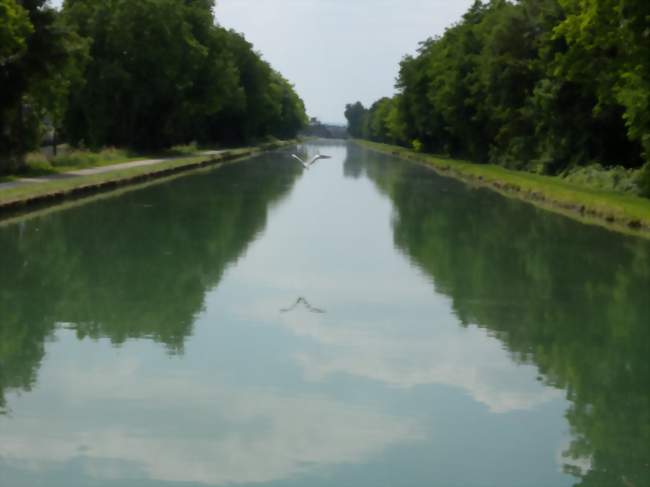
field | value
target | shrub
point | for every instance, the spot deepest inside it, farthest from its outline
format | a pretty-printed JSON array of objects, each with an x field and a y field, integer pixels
[
  {"x": 182, "y": 150},
  {"x": 83, "y": 158},
  {"x": 595, "y": 176},
  {"x": 642, "y": 180},
  {"x": 37, "y": 164}
]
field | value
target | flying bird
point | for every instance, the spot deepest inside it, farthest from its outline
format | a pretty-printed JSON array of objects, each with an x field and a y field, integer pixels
[{"x": 307, "y": 164}]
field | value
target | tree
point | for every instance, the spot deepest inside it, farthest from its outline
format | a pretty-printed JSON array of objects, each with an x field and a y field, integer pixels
[
  {"x": 356, "y": 116},
  {"x": 162, "y": 73},
  {"x": 608, "y": 43},
  {"x": 14, "y": 30},
  {"x": 34, "y": 51},
  {"x": 147, "y": 71},
  {"x": 542, "y": 85}
]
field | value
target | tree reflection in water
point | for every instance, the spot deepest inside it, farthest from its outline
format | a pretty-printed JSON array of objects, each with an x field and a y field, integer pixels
[
  {"x": 569, "y": 298},
  {"x": 135, "y": 266}
]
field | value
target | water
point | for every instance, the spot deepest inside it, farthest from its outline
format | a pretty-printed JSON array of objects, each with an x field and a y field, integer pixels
[{"x": 364, "y": 323}]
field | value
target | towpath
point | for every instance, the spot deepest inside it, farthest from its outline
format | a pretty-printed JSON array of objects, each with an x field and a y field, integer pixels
[{"x": 97, "y": 170}]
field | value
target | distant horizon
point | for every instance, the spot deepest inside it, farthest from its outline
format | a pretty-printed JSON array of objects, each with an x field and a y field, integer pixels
[{"x": 351, "y": 54}]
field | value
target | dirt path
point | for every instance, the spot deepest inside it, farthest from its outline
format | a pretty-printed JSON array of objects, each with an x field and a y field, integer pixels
[{"x": 97, "y": 170}]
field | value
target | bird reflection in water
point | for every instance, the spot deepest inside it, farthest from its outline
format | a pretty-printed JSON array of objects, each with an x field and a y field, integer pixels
[{"x": 302, "y": 301}]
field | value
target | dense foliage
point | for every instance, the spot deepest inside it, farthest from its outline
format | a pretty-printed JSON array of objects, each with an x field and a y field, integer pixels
[
  {"x": 37, "y": 55},
  {"x": 541, "y": 85},
  {"x": 144, "y": 75}
]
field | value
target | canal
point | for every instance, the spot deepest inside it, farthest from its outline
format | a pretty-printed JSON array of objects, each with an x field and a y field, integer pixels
[{"x": 364, "y": 323}]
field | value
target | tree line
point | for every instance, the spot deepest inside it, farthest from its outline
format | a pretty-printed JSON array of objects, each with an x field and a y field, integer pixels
[
  {"x": 537, "y": 85},
  {"x": 144, "y": 75}
]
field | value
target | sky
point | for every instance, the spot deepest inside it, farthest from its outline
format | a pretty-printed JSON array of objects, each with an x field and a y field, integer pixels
[{"x": 338, "y": 51}]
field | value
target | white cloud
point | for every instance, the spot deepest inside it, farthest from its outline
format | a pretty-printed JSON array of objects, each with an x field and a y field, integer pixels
[
  {"x": 384, "y": 322},
  {"x": 407, "y": 355},
  {"x": 227, "y": 436}
]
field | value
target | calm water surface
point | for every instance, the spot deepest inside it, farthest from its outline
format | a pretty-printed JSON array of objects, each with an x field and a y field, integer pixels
[{"x": 365, "y": 323}]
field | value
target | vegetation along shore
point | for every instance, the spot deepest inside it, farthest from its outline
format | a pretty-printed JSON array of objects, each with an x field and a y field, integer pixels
[
  {"x": 56, "y": 189},
  {"x": 621, "y": 212},
  {"x": 548, "y": 99},
  {"x": 137, "y": 76}
]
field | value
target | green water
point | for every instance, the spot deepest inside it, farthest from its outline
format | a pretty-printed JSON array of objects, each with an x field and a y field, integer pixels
[{"x": 365, "y": 323}]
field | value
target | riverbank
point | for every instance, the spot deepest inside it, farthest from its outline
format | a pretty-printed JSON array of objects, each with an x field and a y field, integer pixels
[
  {"x": 620, "y": 212},
  {"x": 59, "y": 187}
]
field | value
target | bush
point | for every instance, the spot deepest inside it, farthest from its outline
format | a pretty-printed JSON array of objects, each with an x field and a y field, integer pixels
[
  {"x": 37, "y": 164},
  {"x": 642, "y": 180},
  {"x": 618, "y": 178},
  {"x": 182, "y": 150},
  {"x": 79, "y": 158}
]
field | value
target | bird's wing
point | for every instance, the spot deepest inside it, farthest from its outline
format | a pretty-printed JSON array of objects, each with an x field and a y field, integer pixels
[
  {"x": 311, "y": 308},
  {"x": 290, "y": 308},
  {"x": 298, "y": 158},
  {"x": 314, "y": 159}
]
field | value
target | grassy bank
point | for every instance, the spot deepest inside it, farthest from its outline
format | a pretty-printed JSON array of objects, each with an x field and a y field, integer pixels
[
  {"x": 622, "y": 212},
  {"x": 70, "y": 159},
  {"x": 52, "y": 191}
]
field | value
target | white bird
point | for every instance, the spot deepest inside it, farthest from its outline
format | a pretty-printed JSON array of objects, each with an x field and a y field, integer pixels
[{"x": 306, "y": 164}]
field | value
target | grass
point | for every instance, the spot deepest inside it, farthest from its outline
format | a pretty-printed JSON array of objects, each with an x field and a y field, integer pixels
[
  {"x": 58, "y": 189},
  {"x": 54, "y": 190},
  {"x": 613, "y": 209},
  {"x": 616, "y": 179},
  {"x": 37, "y": 190},
  {"x": 73, "y": 159},
  {"x": 7, "y": 179},
  {"x": 181, "y": 150},
  {"x": 81, "y": 159}
]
